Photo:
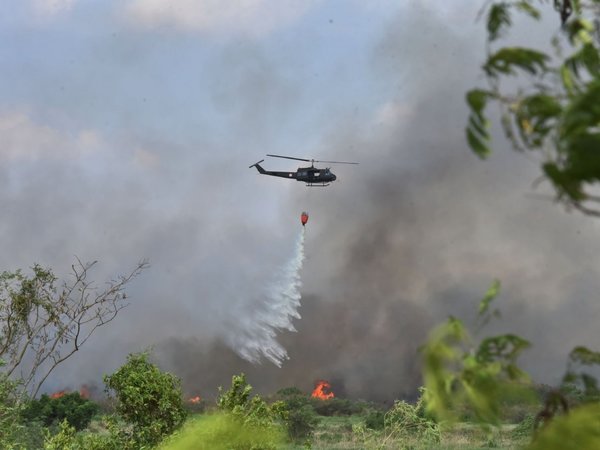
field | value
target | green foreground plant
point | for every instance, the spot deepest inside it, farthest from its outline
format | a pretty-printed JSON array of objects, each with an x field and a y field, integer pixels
[{"x": 148, "y": 399}]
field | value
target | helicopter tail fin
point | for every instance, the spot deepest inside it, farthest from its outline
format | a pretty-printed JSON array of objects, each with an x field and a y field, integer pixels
[{"x": 258, "y": 167}]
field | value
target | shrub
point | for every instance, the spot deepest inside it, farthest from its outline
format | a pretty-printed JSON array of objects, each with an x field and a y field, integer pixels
[
  {"x": 10, "y": 409},
  {"x": 525, "y": 428},
  {"x": 148, "y": 399},
  {"x": 375, "y": 420},
  {"x": 238, "y": 402},
  {"x": 251, "y": 412},
  {"x": 73, "y": 408},
  {"x": 65, "y": 439},
  {"x": 300, "y": 417},
  {"x": 301, "y": 422},
  {"x": 337, "y": 407},
  {"x": 404, "y": 420}
]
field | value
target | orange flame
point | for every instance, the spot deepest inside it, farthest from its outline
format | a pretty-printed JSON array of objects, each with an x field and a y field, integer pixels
[
  {"x": 58, "y": 394},
  {"x": 195, "y": 399},
  {"x": 321, "y": 390}
]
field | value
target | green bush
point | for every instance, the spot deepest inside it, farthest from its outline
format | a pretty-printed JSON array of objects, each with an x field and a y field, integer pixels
[
  {"x": 68, "y": 439},
  {"x": 251, "y": 412},
  {"x": 300, "y": 417},
  {"x": 375, "y": 420},
  {"x": 525, "y": 428},
  {"x": 301, "y": 422},
  {"x": 10, "y": 410},
  {"x": 73, "y": 408},
  {"x": 337, "y": 407},
  {"x": 148, "y": 399},
  {"x": 404, "y": 420}
]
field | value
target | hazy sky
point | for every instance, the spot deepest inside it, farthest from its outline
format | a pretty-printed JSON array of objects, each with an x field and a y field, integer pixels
[{"x": 126, "y": 132}]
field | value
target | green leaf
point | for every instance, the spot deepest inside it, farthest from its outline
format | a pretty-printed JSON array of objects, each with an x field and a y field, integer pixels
[
  {"x": 507, "y": 59},
  {"x": 490, "y": 295},
  {"x": 477, "y": 99},
  {"x": 526, "y": 7},
  {"x": 585, "y": 356},
  {"x": 579, "y": 30},
  {"x": 564, "y": 183},
  {"x": 536, "y": 116},
  {"x": 566, "y": 76},
  {"x": 583, "y": 160},
  {"x": 478, "y": 145},
  {"x": 478, "y": 136},
  {"x": 498, "y": 19}
]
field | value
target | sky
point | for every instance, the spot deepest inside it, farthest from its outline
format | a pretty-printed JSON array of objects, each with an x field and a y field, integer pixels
[{"x": 126, "y": 132}]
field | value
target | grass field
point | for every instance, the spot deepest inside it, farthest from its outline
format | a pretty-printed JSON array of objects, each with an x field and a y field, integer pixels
[{"x": 349, "y": 433}]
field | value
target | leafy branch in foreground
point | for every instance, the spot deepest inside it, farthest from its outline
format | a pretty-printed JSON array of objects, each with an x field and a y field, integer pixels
[
  {"x": 549, "y": 103},
  {"x": 458, "y": 374},
  {"x": 42, "y": 324}
]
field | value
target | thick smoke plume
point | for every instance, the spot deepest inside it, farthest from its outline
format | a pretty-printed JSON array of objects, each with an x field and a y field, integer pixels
[
  {"x": 417, "y": 231},
  {"x": 257, "y": 336}
]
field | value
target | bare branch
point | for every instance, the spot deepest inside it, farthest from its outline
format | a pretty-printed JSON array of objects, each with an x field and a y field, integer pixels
[{"x": 40, "y": 328}]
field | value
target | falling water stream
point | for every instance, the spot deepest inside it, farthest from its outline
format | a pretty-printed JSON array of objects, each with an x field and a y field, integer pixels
[{"x": 276, "y": 313}]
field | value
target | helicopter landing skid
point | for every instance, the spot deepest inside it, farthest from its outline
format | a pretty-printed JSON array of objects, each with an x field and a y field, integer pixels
[{"x": 317, "y": 185}]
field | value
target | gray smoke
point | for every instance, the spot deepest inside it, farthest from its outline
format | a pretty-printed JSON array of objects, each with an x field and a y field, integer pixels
[{"x": 417, "y": 231}]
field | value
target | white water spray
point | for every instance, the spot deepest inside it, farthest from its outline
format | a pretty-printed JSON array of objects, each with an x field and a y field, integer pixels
[{"x": 277, "y": 311}]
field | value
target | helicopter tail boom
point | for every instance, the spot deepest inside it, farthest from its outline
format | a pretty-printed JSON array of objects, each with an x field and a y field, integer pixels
[{"x": 258, "y": 167}]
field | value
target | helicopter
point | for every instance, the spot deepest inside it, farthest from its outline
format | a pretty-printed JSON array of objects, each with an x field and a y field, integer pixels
[{"x": 312, "y": 175}]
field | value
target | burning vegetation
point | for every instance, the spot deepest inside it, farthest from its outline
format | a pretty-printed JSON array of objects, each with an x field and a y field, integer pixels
[
  {"x": 58, "y": 394},
  {"x": 322, "y": 390}
]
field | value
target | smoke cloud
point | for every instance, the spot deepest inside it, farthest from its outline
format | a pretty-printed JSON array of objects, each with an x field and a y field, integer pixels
[{"x": 414, "y": 233}]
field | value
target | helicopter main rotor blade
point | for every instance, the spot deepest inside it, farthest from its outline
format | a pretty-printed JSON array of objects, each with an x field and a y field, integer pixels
[
  {"x": 290, "y": 157},
  {"x": 335, "y": 162}
]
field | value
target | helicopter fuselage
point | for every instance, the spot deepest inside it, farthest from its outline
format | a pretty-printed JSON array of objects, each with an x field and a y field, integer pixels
[{"x": 309, "y": 175}]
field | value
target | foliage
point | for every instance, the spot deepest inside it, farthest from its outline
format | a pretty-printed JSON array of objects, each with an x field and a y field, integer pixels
[
  {"x": 251, "y": 412},
  {"x": 114, "y": 434},
  {"x": 525, "y": 428},
  {"x": 375, "y": 420},
  {"x": 403, "y": 420},
  {"x": 404, "y": 423},
  {"x": 554, "y": 109},
  {"x": 580, "y": 429},
  {"x": 299, "y": 414},
  {"x": 10, "y": 412},
  {"x": 223, "y": 432},
  {"x": 338, "y": 406},
  {"x": 65, "y": 439},
  {"x": 42, "y": 324},
  {"x": 148, "y": 399},
  {"x": 73, "y": 408},
  {"x": 301, "y": 422},
  {"x": 458, "y": 374},
  {"x": 576, "y": 379}
]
